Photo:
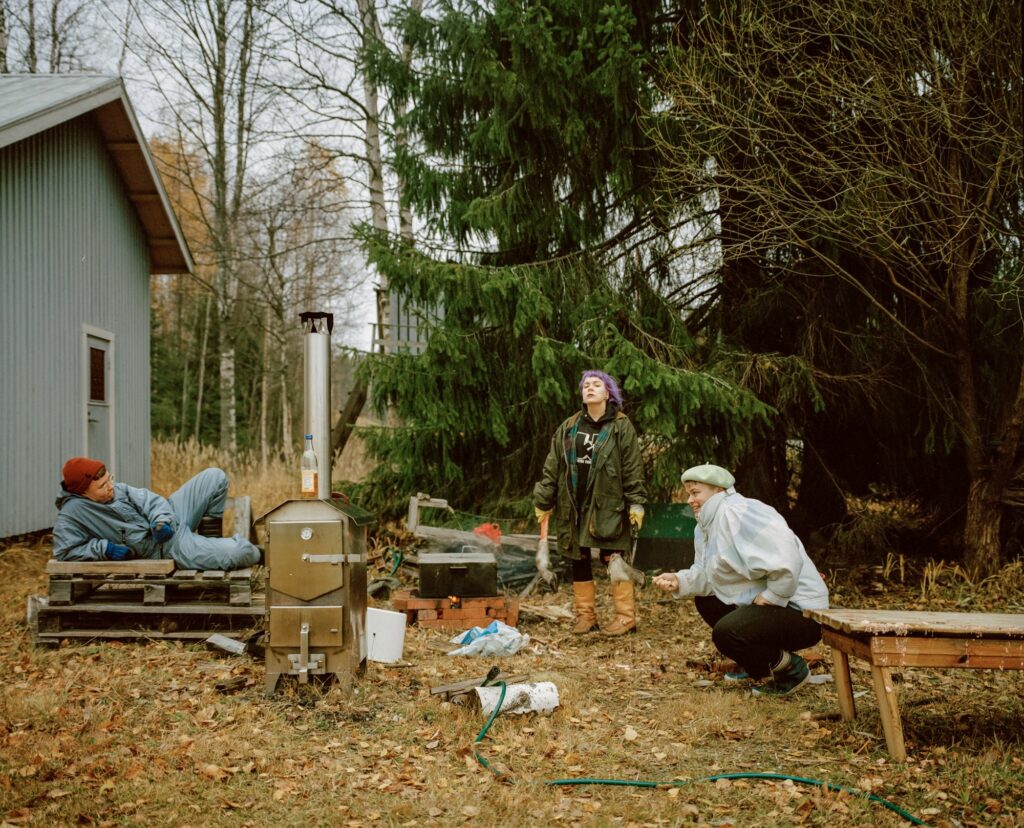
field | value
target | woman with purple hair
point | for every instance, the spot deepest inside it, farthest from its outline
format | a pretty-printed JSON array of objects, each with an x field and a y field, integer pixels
[{"x": 593, "y": 482}]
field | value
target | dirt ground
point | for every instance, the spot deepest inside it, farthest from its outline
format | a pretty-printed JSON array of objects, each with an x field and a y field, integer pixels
[{"x": 136, "y": 733}]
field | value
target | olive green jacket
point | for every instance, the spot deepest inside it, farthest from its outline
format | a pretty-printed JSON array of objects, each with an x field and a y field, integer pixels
[{"x": 615, "y": 482}]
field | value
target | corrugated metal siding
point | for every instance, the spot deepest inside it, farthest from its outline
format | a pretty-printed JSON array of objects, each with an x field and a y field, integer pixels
[{"x": 72, "y": 253}]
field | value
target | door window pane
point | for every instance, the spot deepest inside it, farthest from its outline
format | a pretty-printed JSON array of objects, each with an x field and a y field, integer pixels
[{"x": 97, "y": 375}]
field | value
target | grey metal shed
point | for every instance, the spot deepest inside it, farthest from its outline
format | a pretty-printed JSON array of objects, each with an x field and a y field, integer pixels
[{"x": 84, "y": 222}]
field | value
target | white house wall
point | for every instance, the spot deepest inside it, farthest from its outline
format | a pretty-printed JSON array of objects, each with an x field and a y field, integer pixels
[{"x": 72, "y": 254}]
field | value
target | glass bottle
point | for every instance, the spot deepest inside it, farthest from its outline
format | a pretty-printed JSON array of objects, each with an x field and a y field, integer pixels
[{"x": 310, "y": 472}]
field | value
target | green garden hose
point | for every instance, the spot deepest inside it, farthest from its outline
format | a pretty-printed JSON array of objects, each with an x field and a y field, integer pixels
[
  {"x": 751, "y": 775},
  {"x": 639, "y": 783}
]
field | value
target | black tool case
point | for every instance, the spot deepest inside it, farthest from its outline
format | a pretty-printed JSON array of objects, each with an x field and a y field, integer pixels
[{"x": 458, "y": 574}]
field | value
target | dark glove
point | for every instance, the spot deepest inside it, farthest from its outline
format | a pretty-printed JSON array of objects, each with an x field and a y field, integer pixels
[
  {"x": 116, "y": 552},
  {"x": 161, "y": 531}
]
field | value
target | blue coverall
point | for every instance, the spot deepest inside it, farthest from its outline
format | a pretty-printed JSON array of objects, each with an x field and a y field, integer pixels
[{"x": 84, "y": 526}]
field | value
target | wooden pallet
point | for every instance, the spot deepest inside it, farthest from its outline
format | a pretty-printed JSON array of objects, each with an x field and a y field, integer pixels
[
  {"x": 151, "y": 582},
  {"x": 107, "y": 617},
  {"x": 148, "y": 598}
]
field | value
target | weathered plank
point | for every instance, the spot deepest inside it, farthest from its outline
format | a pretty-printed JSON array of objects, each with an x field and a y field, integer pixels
[
  {"x": 139, "y": 567},
  {"x": 909, "y": 622},
  {"x": 134, "y": 608},
  {"x": 459, "y": 687}
]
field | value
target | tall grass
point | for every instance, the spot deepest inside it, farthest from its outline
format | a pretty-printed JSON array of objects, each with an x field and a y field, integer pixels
[{"x": 267, "y": 485}]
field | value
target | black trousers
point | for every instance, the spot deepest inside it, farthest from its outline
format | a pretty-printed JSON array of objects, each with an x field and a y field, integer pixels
[
  {"x": 583, "y": 569},
  {"x": 754, "y": 636}
]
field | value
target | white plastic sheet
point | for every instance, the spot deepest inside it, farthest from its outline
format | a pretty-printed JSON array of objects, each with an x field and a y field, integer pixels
[{"x": 497, "y": 638}]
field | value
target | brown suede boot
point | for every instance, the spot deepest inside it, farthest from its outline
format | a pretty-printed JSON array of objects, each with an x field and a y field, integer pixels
[
  {"x": 584, "y": 594},
  {"x": 625, "y": 609}
]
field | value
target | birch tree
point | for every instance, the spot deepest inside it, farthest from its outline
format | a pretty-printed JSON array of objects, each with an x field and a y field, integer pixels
[
  {"x": 48, "y": 36},
  {"x": 209, "y": 62}
]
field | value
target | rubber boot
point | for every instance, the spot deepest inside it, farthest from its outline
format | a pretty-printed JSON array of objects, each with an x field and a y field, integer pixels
[
  {"x": 584, "y": 594},
  {"x": 625, "y": 610}
]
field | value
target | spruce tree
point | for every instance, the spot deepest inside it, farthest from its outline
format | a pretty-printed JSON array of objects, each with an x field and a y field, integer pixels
[{"x": 532, "y": 168}]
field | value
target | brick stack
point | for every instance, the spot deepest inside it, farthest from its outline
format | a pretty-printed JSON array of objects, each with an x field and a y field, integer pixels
[{"x": 463, "y": 613}]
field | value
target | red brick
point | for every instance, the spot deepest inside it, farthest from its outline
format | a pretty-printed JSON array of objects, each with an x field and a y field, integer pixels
[
  {"x": 441, "y": 624},
  {"x": 408, "y": 599},
  {"x": 473, "y": 603},
  {"x": 427, "y": 615}
]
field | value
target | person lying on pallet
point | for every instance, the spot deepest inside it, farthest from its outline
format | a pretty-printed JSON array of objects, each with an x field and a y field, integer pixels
[
  {"x": 751, "y": 579},
  {"x": 593, "y": 475},
  {"x": 100, "y": 520}
]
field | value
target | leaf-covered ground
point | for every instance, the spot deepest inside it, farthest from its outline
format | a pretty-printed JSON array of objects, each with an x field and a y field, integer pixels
[{"x": 107, "y": 733}]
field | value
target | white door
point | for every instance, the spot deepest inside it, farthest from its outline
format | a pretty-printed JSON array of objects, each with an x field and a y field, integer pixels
[{"x": 99, "y": 396}]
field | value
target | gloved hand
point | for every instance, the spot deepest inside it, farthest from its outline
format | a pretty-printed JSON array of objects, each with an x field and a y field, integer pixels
[
  {"x": 116, "y": 552},
  {"x": 636, "y": 516},
  {"x": 541, "y": 513},
  {"x": 161, "y": 531}
]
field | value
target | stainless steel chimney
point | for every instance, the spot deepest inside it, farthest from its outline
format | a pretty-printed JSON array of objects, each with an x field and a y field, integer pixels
[
  {"x": 316, "y": 329},
  {"x": 316, "y": 551}
]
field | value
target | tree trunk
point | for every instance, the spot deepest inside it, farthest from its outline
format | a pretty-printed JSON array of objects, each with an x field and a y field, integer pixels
[
  {"x": 30, "y": 54},
  {"x": 265, "y": 388},
  {"x": 56, "y": 47},
  {"x": 228, "y": 431},
  {"x": 202, "y": 365},
  {"x": 375, "y": 169},
  {"x": 349, "y": 414},
  {"x": 3, "y": 38},
  {"x": 179, "y": 320},
  {"x": 286, "y": 402},
  {"x": 401, "y": 140},
  {"x": 981, "y": 531}
]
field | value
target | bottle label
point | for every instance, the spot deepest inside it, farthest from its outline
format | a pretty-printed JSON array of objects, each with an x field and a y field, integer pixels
[{"x": 309, "y": 483}]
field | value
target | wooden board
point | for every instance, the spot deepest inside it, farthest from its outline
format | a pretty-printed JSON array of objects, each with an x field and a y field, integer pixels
[
  {"x": 141, "y": 567},
  {"x": 185, "y": 635},
  {"x": 50, "y": 624},
  {"x": 900, "y": 651},
  {"x": 179, "y": 577},
  {"x": 459, "y": 687},
  {"x": 910, "y": 622},
  {"x": 257, "y": 610}
]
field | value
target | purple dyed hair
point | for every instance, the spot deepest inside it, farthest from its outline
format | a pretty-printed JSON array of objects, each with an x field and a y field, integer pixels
[{"x": 609, "y": 382}]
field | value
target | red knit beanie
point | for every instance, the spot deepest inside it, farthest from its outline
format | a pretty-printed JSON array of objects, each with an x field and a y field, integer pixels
[{"x": 79, "y": 472}]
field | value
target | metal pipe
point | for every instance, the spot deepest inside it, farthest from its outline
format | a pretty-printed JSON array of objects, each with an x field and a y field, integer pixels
[{"x": 316, "y": 329}]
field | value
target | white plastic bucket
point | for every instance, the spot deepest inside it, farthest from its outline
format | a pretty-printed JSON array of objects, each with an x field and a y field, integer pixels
[
  {"x": 535, "y": 697},
  {"x": 385, "y": 635}
]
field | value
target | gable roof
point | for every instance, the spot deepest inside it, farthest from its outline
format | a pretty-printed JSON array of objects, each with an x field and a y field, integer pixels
[{"x": 34, "y": 103}]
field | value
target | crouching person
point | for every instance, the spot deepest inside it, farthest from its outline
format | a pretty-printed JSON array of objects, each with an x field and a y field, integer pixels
[
  {"x": 100, "y": 520},
  {"x": 751, "y": 579}
]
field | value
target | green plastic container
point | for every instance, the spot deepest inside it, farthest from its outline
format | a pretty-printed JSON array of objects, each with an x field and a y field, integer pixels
[{"x": 666, "y": 539}]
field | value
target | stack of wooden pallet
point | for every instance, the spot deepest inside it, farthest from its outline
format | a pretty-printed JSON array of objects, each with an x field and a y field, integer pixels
[
  {"x": 142, "y": 599},
  {"x": 146, "y": 598}
]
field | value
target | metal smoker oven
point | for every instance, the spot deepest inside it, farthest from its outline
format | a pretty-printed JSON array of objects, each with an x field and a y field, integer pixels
[{"x": 316, "y": 590}]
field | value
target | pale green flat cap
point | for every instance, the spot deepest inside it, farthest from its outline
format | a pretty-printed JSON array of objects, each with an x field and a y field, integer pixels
[{"x": 712, "y": 475}]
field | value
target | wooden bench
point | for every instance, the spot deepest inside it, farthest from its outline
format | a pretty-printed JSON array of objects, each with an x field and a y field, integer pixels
[{"x": 888, "y": 639}]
